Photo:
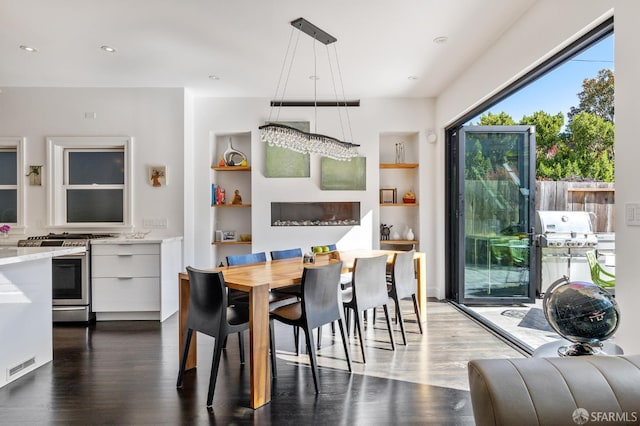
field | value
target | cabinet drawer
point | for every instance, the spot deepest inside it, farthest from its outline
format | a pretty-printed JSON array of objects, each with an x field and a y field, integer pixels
[
  {"x": 125, "y": 248},
  {"x": 125, "y": 265},
  {"x": 125, "y": 295}
]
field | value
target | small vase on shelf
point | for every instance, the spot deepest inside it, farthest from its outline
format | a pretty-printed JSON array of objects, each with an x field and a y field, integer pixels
[{"x": 410, "y": 235}]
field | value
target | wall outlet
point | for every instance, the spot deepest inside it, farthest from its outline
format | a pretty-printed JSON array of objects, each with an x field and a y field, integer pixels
[
  {"x": 155, "y": 223},
  {"x": 632, "y": 214}
]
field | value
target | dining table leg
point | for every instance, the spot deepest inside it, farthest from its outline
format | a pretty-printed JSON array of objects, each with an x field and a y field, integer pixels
[
  {"x": 259, "y": 352},
  {"x": 183, "y": 311},
  {"x": 422, "y": 284}
]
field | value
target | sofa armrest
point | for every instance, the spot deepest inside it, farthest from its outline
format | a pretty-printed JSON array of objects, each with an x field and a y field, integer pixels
[{"x": 547, "y": 391}]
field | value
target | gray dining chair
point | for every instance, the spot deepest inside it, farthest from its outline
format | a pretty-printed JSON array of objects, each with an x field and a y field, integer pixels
[
  {"x": 368, "y": 290},
  {"x": 320, "y": 304}
]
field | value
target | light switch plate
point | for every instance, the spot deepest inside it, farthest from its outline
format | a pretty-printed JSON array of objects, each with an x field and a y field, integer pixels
[{"x": 632, "y": 214}]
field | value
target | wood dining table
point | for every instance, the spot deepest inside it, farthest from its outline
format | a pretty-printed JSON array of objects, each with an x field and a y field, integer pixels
[{"x": 256, "y": 280}]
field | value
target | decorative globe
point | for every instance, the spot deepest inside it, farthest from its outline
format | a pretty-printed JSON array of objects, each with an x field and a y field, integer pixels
[{"x": 581, "y": 312}]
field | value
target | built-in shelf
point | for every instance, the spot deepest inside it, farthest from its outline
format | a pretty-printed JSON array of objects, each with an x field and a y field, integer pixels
[
  {"x": 398, "y": 165},
  {"x": 398, "y": 204},
  {"x": 231, "y": 205},
  {"x": 230, "y": 243},
  {"x": 231, "y": 168},
  {"x": 398, "y": 242}
]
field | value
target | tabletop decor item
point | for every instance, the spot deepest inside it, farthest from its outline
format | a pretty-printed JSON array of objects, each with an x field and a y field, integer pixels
[
  {"x": 4, "y": 231},
  {"x": 409, "y": 197},
  {"x": 400, "y": 152},
  {"x": 582, "y": 313},
  {"x": 237, "y": 199},
  {"x": 233, "y": 157}
]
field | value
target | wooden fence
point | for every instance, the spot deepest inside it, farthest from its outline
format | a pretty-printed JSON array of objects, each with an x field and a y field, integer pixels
[
  {"x": 490, "y": 205},
  {"x": 593, "y": 197}
]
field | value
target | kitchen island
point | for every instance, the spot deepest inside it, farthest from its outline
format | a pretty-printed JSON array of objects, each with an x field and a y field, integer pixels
[{"x": 25, "y": 308}]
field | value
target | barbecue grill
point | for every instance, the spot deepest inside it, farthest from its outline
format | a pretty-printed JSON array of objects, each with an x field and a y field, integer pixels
[{"x": 562, "y": 239}]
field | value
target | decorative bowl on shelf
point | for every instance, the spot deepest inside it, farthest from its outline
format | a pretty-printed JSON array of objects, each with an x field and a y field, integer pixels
[
  {"x": 245, "y": 237},
  {"x": 409, "y": 197}
]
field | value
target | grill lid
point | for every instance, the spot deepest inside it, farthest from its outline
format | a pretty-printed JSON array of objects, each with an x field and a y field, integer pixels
[{"x": 563, "y": 222}]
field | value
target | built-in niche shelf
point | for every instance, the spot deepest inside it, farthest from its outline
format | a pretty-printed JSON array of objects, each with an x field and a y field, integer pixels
[{"x": 315, "y": 214}]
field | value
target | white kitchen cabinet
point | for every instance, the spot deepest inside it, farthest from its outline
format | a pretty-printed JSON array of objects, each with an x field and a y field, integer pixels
[{"x": 135, "y": 279}]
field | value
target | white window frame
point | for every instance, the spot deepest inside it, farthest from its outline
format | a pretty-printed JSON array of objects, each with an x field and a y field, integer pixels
[
  {"x": 57, "y": 156},
  {"x": 18, "y": 144}
]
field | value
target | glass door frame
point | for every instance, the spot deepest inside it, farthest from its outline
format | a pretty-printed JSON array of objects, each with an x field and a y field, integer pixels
[{"x": 456, "y": 238}]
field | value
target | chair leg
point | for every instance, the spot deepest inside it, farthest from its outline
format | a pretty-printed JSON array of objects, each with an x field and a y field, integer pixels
[
  {"x": 241, "y": 347},
  {"x": 333, "y": 328},
  {"x": 358, "y": 320},
  {"x": 341, "y": 325},
  {"x": 386, "y": 315},
  {"x": 399, "y": 318},
  {"x": 272, "y": 344},
  {"x": 319, "y": 337},
  {"x": 217, "y": 354},
  {"x": 185, "y": 353},
  {"x": 296, "y": 337},
  {"x": 417, "y": 311},
  {"x": 311, "y": 349}
]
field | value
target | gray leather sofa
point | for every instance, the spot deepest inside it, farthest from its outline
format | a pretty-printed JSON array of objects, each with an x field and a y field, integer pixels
[{"x": 598, "y": 389}]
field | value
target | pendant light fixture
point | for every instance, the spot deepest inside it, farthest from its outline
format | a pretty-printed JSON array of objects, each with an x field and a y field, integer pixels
[{"x": 281, "y": 135}]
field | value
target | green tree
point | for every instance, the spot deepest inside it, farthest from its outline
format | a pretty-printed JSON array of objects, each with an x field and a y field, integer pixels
[
  {"x": 501, "y": 119},
  {"x": 597, "y": 96}
]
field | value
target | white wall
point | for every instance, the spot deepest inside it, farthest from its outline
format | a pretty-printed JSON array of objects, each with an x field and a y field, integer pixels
[
  {"x": 214, "y": 116},
  {"x": 154, "y": 117},
  {"x": 544, "y": 29}
]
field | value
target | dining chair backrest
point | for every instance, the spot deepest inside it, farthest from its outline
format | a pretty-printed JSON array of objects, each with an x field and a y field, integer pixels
[
  {"x": 244, "y": 259},
  {"x": 369, "y": 281},
  {"x": 321, "y": 297},
  {"x": 207, "y": 301},
  {"x": 286, "y": 254},
  {"x": 403, "y": 274}
]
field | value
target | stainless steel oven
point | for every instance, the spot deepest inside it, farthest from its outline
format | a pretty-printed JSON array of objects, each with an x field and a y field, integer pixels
[
  {"x": 71, "y": 290},
  {"x": 70, "y": 275}
]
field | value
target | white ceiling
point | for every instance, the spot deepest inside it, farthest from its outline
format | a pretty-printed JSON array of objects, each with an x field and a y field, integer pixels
[{"x": 179, "y": 43}]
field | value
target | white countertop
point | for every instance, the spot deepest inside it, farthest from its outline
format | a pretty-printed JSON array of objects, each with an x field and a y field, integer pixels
[
  {"x": 125, "y": 240},
  {"x": 11, "y": 255}
]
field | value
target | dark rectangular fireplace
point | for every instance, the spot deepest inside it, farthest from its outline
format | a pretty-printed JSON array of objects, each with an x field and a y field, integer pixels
[{"x": 315, "y": 214}]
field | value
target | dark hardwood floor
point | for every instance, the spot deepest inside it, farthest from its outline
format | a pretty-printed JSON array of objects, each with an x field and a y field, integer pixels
[{"x": 125, "y": 373}]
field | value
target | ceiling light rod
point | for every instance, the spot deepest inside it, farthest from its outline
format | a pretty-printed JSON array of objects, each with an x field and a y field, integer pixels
[
  {"x": 315, "y": 32},
  {"x": 352, "y": 103}
]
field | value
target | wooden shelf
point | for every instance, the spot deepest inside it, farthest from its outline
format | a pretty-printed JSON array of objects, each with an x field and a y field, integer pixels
[
  {"x": 398, "y": 204},
  {"x": 398, "y": 165},
  {"x": 398, "y": 242},
  {"x": 231, "y": 205},
  {"x": 231, "y": 168},
  {"x": 230, "y": 243}
]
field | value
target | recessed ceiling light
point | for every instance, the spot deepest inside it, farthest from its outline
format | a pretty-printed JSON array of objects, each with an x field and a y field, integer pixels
[
  {"x": 108, "y": 49},
  {"x": 413, "y": 77},
  {"x": 440, "y": 40},
  {"x": 214, "y": 77},
  {"x": 28, "y": 48}
]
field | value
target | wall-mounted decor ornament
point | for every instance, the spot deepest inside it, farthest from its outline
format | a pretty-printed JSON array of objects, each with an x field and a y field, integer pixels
[
  {"x": 158, "y": 175},
  {"x": 35, "y": 175},
  {"x": 233, "y": 157}
]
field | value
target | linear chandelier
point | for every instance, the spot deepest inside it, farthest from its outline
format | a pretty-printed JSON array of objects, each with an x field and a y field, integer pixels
[{"x": 284, "y": 136}]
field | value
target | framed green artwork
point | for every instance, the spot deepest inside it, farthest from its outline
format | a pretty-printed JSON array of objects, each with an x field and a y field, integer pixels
[
  {"x": 344, "y": 175},
  {"x": 282, "y": 162}
]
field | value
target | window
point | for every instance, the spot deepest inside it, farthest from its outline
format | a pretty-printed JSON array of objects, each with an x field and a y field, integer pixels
[
  {"x": 11, "y": 182},
  {"x": 91, "y": 181}
]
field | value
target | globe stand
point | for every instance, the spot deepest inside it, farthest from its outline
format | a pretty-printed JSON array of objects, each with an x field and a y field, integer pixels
[{"x": 579, "y": 349}]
